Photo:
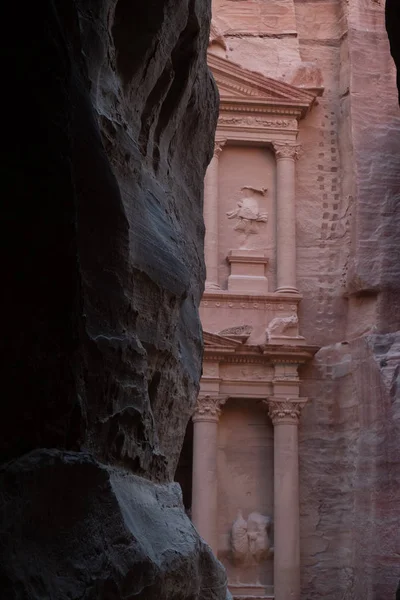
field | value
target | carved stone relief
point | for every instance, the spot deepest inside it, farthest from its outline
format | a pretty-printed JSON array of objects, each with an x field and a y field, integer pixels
[
  {"x": 250, "y": 540},
  {"x": 258, "y": 121},
  {"x": 307, "y": 75},
  {"x": 279, "y": 325},
  {"x": 247, "y": 212},
  {"x": 241, "y": 332}
]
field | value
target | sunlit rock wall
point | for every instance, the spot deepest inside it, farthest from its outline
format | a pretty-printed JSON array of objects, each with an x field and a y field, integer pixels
[
  {"x": 350, "y": 465},
  {"x": 105, "y": 270}
]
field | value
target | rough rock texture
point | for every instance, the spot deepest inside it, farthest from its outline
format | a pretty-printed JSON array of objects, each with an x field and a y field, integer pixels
[
  {"x": 392, "y": 14},
  {"x": 105, "y": 271},
  {"x": 348, "y": 262},
  {"x": 350, "y": 471},
  {"x": 138, "y": 542},
  {"x": 349, "y": 451}
]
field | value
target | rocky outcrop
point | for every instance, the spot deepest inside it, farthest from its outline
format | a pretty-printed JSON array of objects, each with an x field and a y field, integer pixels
[
  {"x": 350, "y": 470},
  {"x": 392, "y": 18},
  {"x": 105, "y": 272},
  {"x": 91, "y": 531}
]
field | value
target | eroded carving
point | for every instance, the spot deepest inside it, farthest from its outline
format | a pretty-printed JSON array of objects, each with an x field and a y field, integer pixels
[
  {"x": 242, "y": 332},
  {"x": 218, "y": 147},
  {"x": 307, "y": 75},
  {"x": 247, "y": 212},
  {"x": 279, "y": 326},
  {"x": 256, "y": 121},
  {"x": 217, "y": 37},
  {"x": 250, "y": 539}
]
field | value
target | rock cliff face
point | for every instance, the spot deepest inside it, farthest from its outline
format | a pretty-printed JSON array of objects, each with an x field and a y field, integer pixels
[
  {"x": 349, "y": 455},
  {"x": 392, "y": 18},
  {"x": 105, "y": 272}
]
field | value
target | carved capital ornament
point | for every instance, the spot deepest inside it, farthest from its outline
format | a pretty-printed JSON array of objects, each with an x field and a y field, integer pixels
[
  {"x": 286, "y": 410},
  {"x": 208, "y": 408},
  {"x": 286, "y": 150}
]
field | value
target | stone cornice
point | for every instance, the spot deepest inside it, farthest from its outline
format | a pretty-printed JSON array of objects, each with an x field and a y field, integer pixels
[
  {"x": 269, "y": 354},
  {"x": 256, "y": 106},
  {"x": 285, "y": 354},
  {"x": 208, "y": 408},
  {"x": 262, "y": 301},
  {"x": 285, "y": 410}
]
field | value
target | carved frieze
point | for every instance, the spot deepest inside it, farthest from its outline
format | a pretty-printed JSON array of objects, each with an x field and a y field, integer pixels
[
  {"x": 258, "y": 303},
  {"x": 208, "y": 408},
  {"x": 251, "y": 121}
]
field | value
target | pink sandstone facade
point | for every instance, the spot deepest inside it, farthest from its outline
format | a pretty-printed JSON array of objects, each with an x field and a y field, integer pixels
[{"x": 296, "y": 414}]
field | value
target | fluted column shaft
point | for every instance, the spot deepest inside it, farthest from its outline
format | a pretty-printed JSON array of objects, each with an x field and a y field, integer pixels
[
  {"x": 211, "y": 183},
  {"x": 204, "y": 481},
  {"x": 286, "y": 155},
  {"x": 285, "y": 417}
]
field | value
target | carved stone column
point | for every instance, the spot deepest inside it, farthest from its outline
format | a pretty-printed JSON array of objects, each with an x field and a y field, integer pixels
[
  {"x": 285, "y": 413},
  {"x": 211, "y": 182},
  {"x": 286, "y": 155},
  {"x": 204, "y": 482}
]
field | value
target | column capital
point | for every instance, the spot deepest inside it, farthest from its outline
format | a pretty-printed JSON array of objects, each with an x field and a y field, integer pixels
[
  {"x": 218, "y": 145},
  {"x": 286, "y": 150},
  {"x": 208, "y": 408},
  {"x": 285, "y": 410}
]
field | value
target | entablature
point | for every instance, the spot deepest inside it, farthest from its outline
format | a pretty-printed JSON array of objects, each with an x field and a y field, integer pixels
[
  {"x": 219, "y": 348},
  {"x": 257, "y": 109}
]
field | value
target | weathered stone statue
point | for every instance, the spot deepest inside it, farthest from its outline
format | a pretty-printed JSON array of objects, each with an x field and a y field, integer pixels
[
  {"x": 257, "y": 533},
  {"x": 247, "y": 212},
  {"x": 280, "y": 325},
  {"x": 239, "y": 540},
  {"x": 250, "y": 539}
]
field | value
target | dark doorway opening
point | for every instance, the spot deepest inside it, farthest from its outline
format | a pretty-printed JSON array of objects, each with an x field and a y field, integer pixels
[{"x": 183, "y": 474}]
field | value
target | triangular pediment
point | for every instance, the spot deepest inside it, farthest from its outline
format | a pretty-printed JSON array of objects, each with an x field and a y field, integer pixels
[
  {"x": 238, "y": 84},
  {"x": 219, "y": 342}
]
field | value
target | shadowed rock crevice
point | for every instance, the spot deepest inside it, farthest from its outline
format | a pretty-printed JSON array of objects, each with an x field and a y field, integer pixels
[{"x": 104, "y": 276}]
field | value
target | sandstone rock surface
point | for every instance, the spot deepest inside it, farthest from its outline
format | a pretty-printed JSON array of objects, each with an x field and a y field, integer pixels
[
  {"x": 121, "y": 536},
  {"x": 347, "y": 236},
  {"x": 101, "y": 333}
]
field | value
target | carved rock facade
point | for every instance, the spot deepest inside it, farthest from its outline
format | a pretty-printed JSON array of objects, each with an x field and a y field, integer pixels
[{"x": 305, "y": 116}]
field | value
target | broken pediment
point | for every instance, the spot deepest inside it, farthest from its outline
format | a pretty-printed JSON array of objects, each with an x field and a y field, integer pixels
[
  {"x": 213, "y": 341},
  {"x": 236, "y": 84}
]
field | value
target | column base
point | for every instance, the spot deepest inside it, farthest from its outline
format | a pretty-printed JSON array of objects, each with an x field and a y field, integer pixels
[
  {"x": 243, "y": 591},
  {"x": 210, "y": 285},
  {"x": 287, "y": 289}
]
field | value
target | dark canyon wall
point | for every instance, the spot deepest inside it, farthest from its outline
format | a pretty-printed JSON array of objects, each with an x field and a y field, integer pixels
[{"x": 112, "y": 115}]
